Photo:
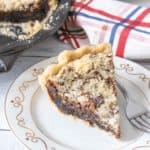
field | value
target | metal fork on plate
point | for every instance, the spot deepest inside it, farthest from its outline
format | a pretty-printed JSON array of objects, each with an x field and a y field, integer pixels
[{"x": 138, "y": 115}]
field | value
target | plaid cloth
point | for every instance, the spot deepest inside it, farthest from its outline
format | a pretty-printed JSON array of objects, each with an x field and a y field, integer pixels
[{"x": 125, "y": 26}]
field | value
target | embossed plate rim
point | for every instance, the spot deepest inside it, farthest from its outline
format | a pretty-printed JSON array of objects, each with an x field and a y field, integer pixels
[{"x": 125, "y": 66}]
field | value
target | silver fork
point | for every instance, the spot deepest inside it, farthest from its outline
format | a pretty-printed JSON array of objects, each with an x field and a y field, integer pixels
[{"x": 137, "y": 114}]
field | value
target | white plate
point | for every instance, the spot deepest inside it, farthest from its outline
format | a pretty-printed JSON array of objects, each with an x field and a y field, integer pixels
[{"x": 39, "y": 127}]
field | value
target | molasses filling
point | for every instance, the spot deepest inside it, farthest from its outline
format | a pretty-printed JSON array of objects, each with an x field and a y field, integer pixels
[
  {"x": 37, "y": 11},
  {"x": 22, "y": 19},
  {"x": 82, "y": 84},
  {"x": 76, "y": 109}
]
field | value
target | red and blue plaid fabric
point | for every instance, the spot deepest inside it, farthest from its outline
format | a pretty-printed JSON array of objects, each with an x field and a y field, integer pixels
[{"x": 125, "y": 26}]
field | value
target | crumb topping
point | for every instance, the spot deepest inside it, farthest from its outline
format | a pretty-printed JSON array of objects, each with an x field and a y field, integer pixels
[
  {"x": 31, "y": 22},
  {"x": 82, "y": 84},
  {"x": 90, "y": 82},
  {"x": 10, "y": 5}
]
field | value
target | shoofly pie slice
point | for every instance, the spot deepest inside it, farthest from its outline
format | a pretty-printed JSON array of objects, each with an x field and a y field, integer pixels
[
  {"x": 23, "y": 18},
  {"x": 82, "y": 85}
]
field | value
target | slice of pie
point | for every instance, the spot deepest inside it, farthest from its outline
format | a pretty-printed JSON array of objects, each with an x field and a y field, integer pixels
[{"x": 82, "y": 84}]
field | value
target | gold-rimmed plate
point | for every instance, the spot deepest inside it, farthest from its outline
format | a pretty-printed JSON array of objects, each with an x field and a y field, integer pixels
[{"x": 39, "y": 127}]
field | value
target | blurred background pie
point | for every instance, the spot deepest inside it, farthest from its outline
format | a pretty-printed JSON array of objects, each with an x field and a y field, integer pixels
[{"x": 24, "y": 18}]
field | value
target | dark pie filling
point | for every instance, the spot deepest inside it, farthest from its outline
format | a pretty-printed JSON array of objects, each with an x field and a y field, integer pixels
[
  {"x": 30, "y": 14},
  {"x": 77, "y": 110}
]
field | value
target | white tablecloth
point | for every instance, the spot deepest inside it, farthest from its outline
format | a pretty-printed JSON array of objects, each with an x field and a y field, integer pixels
[{"x": 48, "y": 48}]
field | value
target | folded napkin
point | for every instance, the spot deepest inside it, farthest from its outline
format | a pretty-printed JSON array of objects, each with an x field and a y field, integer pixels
[{"x": 125, "y": 26}]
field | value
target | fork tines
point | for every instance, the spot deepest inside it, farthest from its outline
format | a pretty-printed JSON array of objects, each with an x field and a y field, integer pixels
[{"x": 142, "y": 121}]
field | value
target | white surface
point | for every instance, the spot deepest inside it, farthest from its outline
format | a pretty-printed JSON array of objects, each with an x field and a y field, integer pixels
[
  {"x": 50, "y": 46},
  {"x": 138, "y": 2},
  {"x": 55, "y": 129}
]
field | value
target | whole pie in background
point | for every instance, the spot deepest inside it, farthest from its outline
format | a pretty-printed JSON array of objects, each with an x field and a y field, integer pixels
[
  {"x": 82, "y": 84},
  {"x": 24, "y": 18}
]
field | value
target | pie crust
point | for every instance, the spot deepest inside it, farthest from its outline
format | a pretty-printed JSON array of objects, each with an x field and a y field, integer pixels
[
  {"x": 69, "y": 55},
  {"x": 82, "y": 84}
]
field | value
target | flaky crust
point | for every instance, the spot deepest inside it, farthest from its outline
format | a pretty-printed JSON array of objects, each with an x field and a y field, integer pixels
[{"x": 69, "y": 55}]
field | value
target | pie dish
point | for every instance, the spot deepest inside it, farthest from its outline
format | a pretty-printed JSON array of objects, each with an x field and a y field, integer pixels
[
  {"x": 24, "y": 18},
  {"x": 82, "y": 85}
]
